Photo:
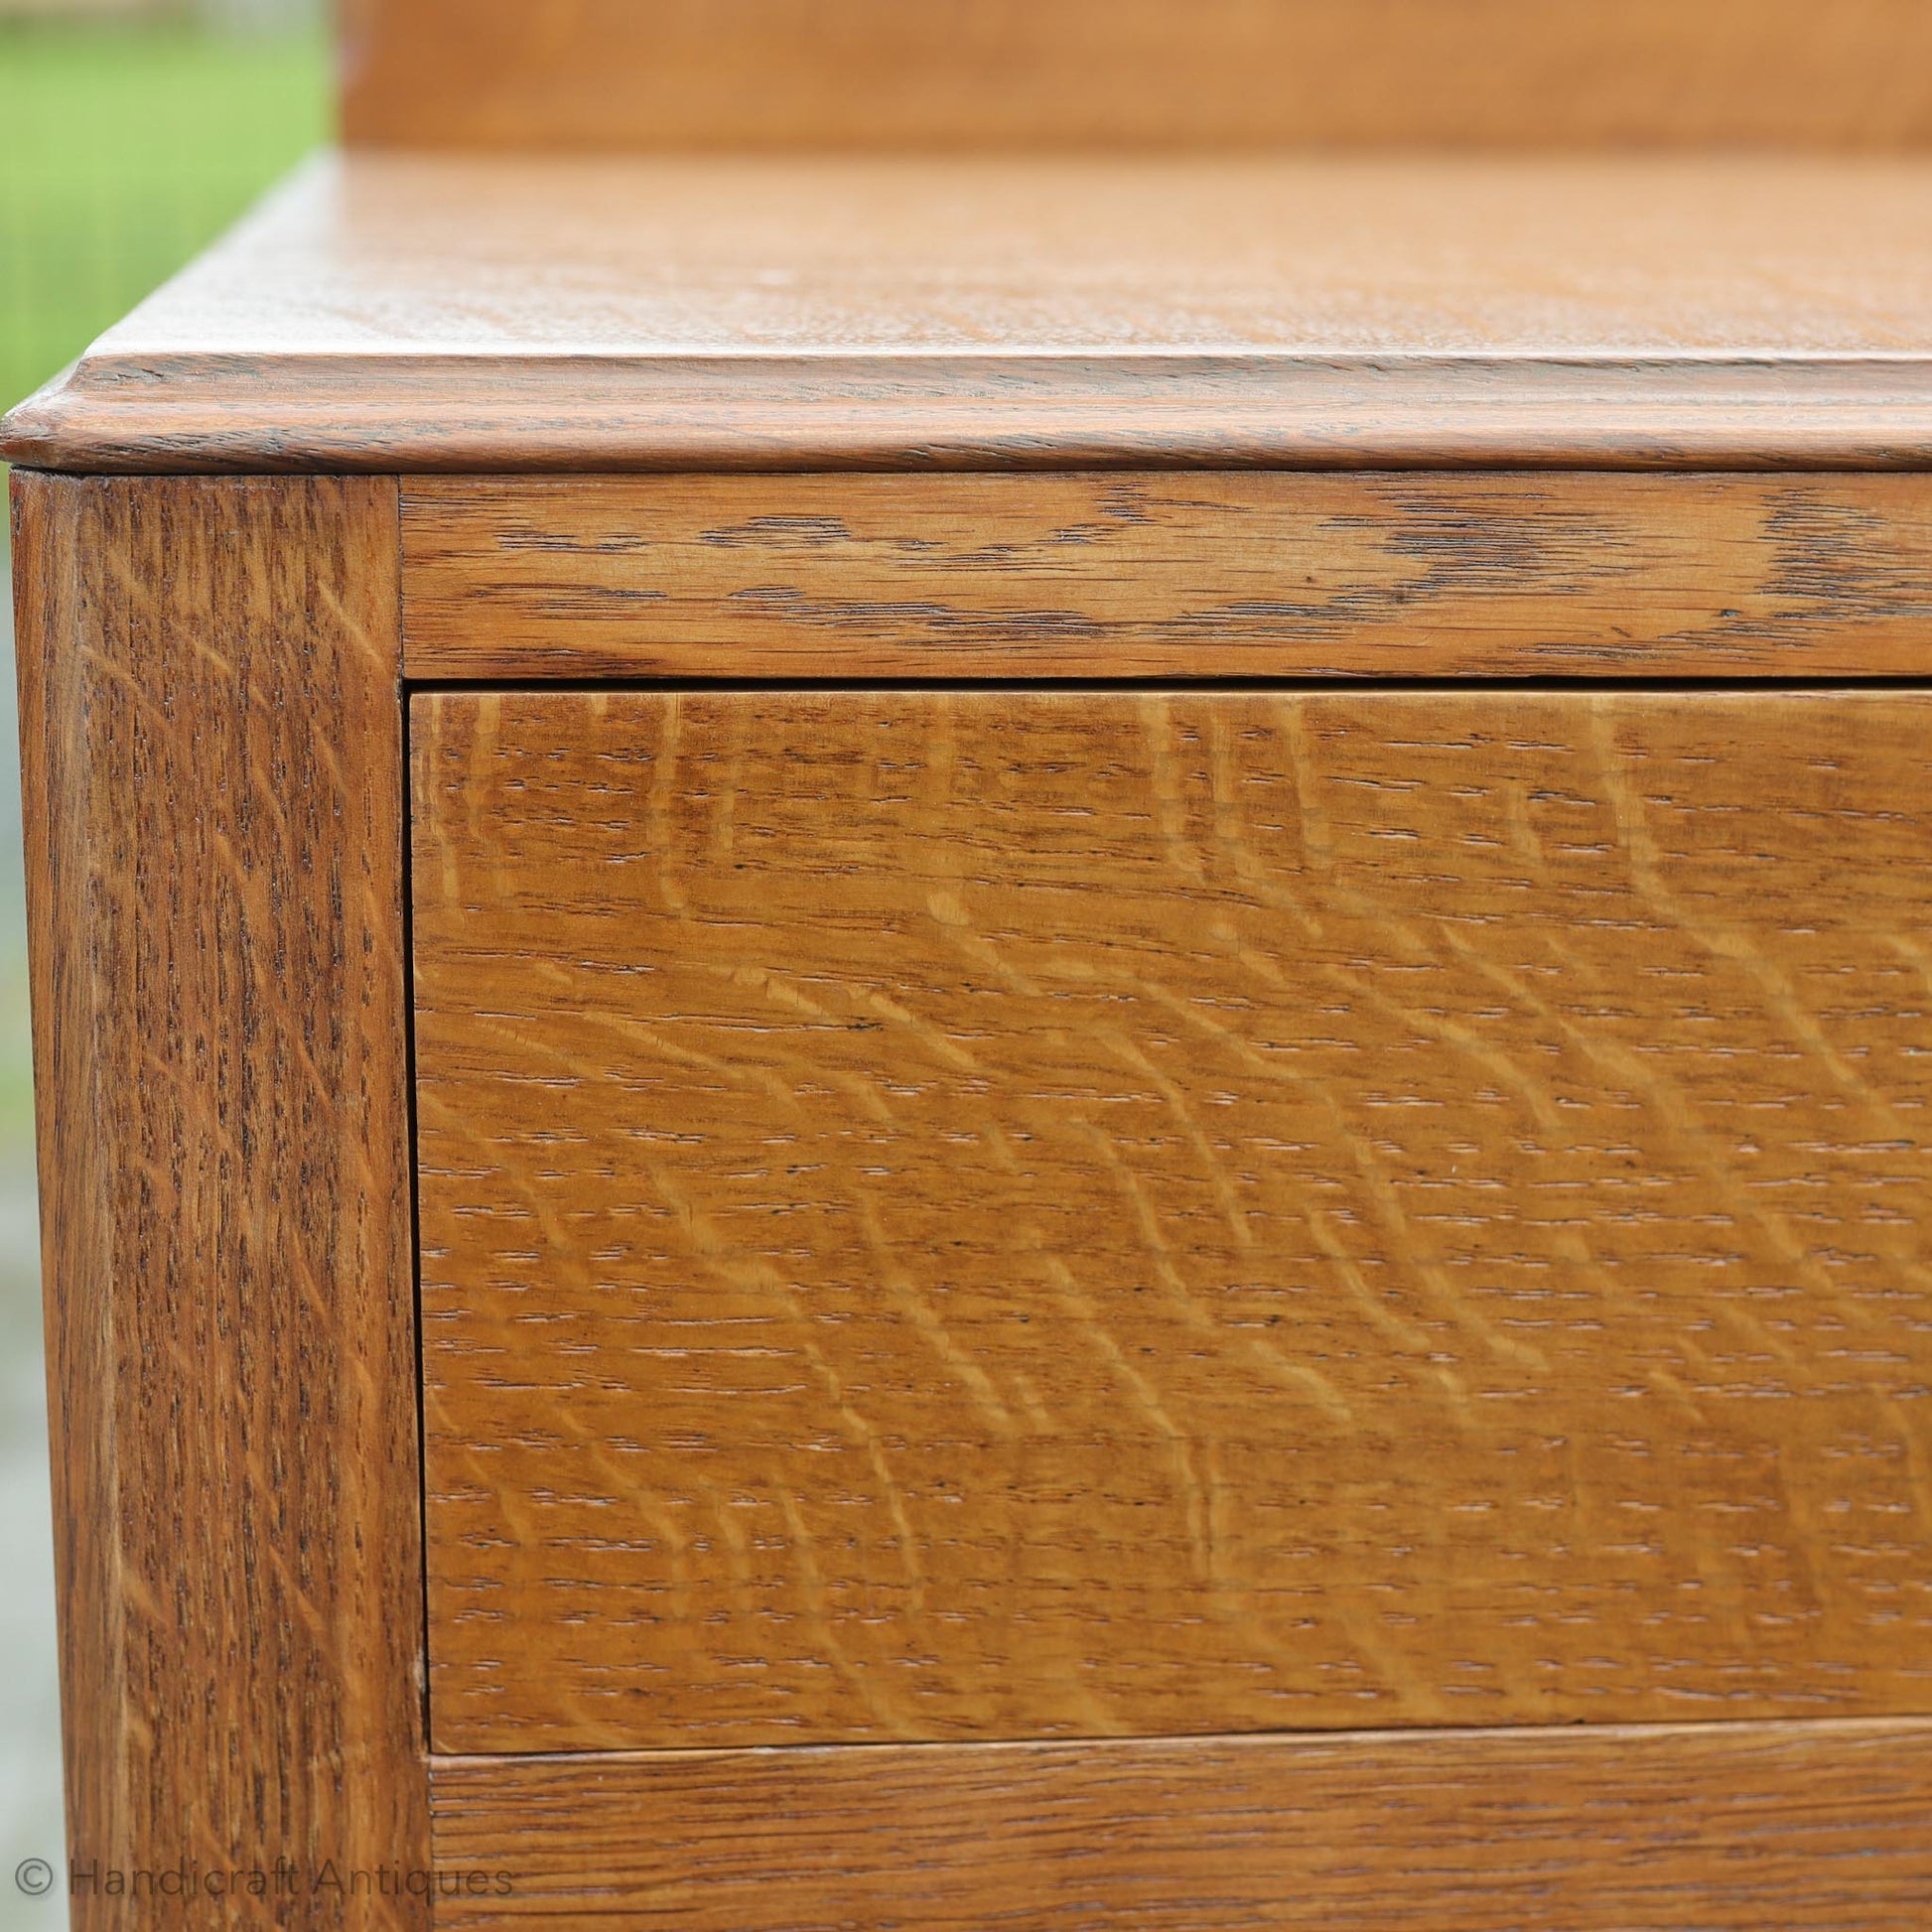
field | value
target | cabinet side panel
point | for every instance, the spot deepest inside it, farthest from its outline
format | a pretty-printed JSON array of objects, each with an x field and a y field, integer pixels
[{"x": 212, "y": 745}]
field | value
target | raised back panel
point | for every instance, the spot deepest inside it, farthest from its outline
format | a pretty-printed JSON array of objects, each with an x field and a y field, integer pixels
[{"x": 860, "y": 74}]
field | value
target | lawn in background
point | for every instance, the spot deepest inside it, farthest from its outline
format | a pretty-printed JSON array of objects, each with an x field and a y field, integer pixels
[{"x": 124, "y": 147}]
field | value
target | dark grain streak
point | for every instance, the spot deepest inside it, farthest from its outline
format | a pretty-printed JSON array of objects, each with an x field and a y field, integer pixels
[{"x": 1152, "y": 575}]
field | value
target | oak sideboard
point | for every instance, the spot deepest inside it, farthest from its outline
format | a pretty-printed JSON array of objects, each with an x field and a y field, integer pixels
[{"x": 983, "y": 980}]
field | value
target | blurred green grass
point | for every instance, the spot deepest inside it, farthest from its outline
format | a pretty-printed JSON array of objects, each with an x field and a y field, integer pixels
[{"x": 124, "y": 148}]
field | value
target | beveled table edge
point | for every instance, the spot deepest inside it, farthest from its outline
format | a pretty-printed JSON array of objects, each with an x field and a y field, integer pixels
[{"x": 886, "y": 411}]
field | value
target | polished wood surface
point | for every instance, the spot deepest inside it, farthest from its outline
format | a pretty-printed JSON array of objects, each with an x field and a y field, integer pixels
[
  {"x": 408, "y": 314},
  {"x": 965, "y": 1215},
  {"x": 212, "y": 747},
  {"x": 1060, "y": 73},
  {"x": 1064, "y": 1234},
  {"x": 1808, "y": 1828},
  {"x": 1234, "y": 574}
]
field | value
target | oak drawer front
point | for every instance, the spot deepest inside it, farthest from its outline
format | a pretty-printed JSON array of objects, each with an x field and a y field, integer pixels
[{"x": 990, "y": 1214}]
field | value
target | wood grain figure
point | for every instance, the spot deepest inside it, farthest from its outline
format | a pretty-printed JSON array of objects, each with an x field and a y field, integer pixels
[
  {"x": 983, "y": 1216},
  {"x": 1729, "y": 1827},
  {"x": 212, "y": 740},
  {"x": 1236, "y": 574},
  {"x": 982, "y": 966}
]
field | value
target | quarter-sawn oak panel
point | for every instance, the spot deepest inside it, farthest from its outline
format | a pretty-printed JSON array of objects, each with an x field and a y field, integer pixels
[{"x": 956, "y": 1215}]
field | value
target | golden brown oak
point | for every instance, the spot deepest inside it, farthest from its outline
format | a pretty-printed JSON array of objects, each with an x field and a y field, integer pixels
[
  {"x": 1058, "y": 1215},
  {"x": 1808, "y": 1828},
  {"x": 956, "y": 1215},
  {"x": 1230, "y": 574},
  {"x": 213, "y": 740},
  {"x": 1137, "y": 73},
  {"x": 396, "y": 314}
]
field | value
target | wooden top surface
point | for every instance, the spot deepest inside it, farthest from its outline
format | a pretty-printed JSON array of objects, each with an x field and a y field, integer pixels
[
  {"x": 416, "y": 313},
  {"x": 995, "y": 75}
]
